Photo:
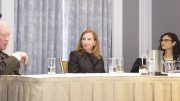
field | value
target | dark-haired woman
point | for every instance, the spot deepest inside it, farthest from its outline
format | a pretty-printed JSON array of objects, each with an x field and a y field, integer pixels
[{"x": 170, "y": 45}]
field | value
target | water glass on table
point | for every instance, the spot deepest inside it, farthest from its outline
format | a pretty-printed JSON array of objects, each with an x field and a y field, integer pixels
[
  {"x": 112, "y": 65},
  {"x": 120, "y": 65},
  {"x": 51, "y": 65},
  {"x": 143, "y": 68},
  {"x": 169, "y": 66},
  {"x": 177, "y": 65}
]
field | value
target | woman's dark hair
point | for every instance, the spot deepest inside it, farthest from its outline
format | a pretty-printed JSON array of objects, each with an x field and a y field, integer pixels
[{"x": 176, "y": 48}]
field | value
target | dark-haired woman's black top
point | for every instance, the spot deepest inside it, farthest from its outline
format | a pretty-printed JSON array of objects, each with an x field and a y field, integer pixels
[{"x": 85, "y": 63}]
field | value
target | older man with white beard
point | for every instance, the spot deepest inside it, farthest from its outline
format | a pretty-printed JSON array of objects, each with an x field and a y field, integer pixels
[{"x": 9, "y": 64}]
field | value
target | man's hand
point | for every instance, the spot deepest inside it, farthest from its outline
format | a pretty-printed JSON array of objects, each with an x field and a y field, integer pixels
[{"x": 21, "y": 56}]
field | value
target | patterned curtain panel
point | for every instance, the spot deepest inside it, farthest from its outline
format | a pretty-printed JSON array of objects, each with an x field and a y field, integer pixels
[
  {"x": 0, "y": 6},
  {"x": 38, "y": 32},
  {"x": 51, "y": 28}
]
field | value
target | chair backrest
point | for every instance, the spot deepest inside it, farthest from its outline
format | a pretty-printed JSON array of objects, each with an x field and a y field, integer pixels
[{"x": 63, "y": 65}]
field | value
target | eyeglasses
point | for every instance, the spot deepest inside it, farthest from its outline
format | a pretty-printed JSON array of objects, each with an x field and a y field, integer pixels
[{"x": 165, "y": 40}]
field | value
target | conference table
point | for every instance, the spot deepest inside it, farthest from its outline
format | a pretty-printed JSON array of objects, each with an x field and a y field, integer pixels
[{"x": 90, "y": 87}]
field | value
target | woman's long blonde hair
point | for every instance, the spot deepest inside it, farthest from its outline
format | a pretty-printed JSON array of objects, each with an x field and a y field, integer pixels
[{"x": 95, "y": 50}]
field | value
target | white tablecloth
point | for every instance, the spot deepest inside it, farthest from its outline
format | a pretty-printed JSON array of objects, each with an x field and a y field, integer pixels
[{"x": 90, "y": 87}]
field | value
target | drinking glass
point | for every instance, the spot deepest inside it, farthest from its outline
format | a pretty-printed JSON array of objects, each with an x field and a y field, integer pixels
[
  {"x": 143, "y": 69},
  {"x": 51, "y": 65},
  {"x": 112, "y": 65},
  {"x": 120, "y": 65},
  {"x": 169, "y": 66},
  {"x": 177, "y": 65}
]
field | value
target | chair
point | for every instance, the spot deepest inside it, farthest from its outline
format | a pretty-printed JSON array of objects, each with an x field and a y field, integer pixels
[
  {"x": 63, "y": 65},
  {"x": 137, "y": 63}
]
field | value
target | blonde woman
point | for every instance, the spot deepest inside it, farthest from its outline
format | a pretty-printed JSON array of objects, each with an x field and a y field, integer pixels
[{"x": 87, "y": 58}]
